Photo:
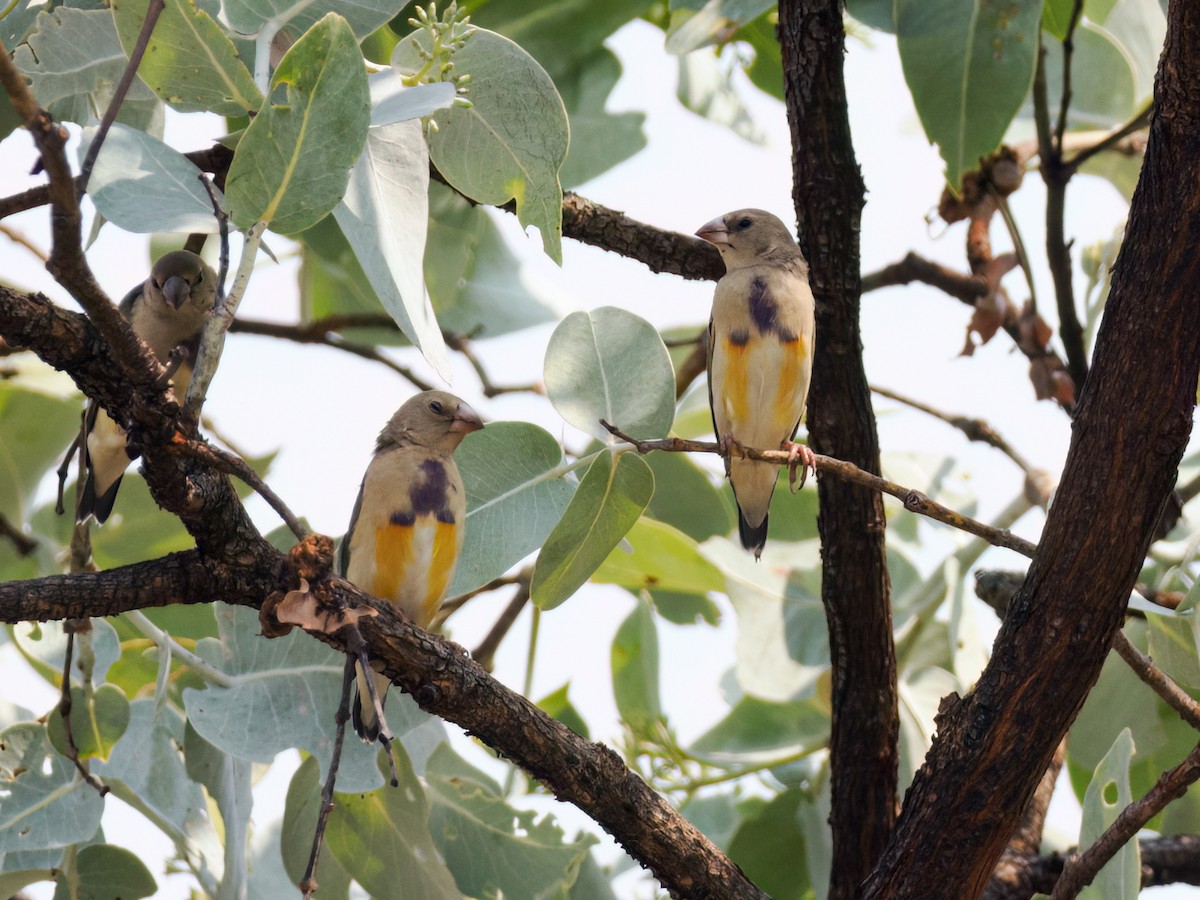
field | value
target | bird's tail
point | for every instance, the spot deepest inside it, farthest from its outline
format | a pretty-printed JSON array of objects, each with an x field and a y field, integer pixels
[
  {"x": 362, "y": 713},
  {"x": 98, "y": 505},
  {"x": 754, "y": 537}
]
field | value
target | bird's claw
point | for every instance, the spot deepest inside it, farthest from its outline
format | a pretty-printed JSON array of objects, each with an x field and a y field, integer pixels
[{"x": 799, "y": 455}]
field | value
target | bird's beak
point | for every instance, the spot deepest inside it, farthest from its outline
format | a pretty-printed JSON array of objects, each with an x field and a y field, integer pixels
[
  {"x": 177, "y": 291},
  {"x": 465, "y": 420},
  {"x": 714, "y": 232}
]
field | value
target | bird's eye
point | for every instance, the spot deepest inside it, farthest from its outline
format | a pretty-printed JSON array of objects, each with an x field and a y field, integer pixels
[
  {"x": 436, "y": 407},
  {"x": 200, "y": 277},
  {"x": 745, "y": 222}
]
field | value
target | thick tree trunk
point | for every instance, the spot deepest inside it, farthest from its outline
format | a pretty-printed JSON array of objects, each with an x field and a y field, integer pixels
[
  {"x": 828, "y": 195},
  {"x": 1132, "y": 425}
]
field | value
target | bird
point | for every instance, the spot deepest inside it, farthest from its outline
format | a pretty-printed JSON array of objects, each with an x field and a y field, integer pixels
[
  {"x": 760, "y": 354},
  {"x": 408, "y": 523},
  {"x": 166, "y": 311}
]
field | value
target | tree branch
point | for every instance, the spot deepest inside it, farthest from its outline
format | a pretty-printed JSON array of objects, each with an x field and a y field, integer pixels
[
  {"x": 965, "y": 287},
  {"x": 22, "y": 543}
]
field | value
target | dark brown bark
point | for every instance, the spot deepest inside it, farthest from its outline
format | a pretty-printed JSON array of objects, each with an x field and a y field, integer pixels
[
  {"x": 1131, "y": 429},
  {"x": 828, "y": 193}
]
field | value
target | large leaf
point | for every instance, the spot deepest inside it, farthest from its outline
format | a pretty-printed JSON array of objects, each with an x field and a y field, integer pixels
[
  {"x": 611, "y": 497},
  {"x": 1107, "y": 795},
  {"x": 377, "y": 835},
  {"x": 969, "y": 66},
  {"x": 516, "y": 490},
  {"x": 74, "y": 60},
  {"x": 510, "y": 144},
  {"x": 757, "y": 730},
  {"x": 685, "y": 498},
  {"x": 711, "y": 23},
  {"x": 635, "y": 671},
  {"x": 45, "y": 805},
  {"x": 769, "y": 845},
  {"x": 661, "y": 558},
  {"x": 363, "y": 16},
  {"x": 190, "y": 62},
  {"x": 494, "y": 849},
  {"x": 1103, "y": 81},
  {"x": 384, "y": 216},
  {"x": 301, "y": 808},
  {"x": 706, "y": 88},
  {"x": 97, "y": 723},
  {"x": 104, "y": 871},
  {"x": 610, "y": 364},
  {"x": 35, "y": 429},
  {"x": 599, "y": 139},
  {"x": 142, "y": 185},
  {"x": 293, "y": 162}
]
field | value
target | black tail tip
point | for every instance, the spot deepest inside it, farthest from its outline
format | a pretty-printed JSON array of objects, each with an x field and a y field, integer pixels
[
  {"x": 754, "y": 537},
  {"x": 368, "y": 731}
]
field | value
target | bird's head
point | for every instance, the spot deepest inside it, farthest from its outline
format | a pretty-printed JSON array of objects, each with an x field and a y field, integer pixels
[
  {"x": 182, "y": 279},
  {"x": 748, "y": 237},
  {"x": 434, "y": 419}
]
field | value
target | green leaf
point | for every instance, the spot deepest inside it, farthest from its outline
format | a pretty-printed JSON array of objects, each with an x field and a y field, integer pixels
[
  {"x": 878, "y": 14},
  {"x": 968, "y": 66},
  {"x": 1173, "y": 647},
  {"x": 559, "y": 705},
  {"x": 516, "y": 490},
  {"x": 662, "y": 557},
  {"x": 512, "y": 141},
  {"x": 782, "y": 643},
  {"x": 387, "y": 831},
  {"x": 706, "y": 88},
  {"x": 190, "y": 62},
  {"x": 364, "y": 16},
  {"x": 769, "y": 845},
  {"x": 1107, "y": 795},
  {"x": 685, "y": 609},
  {"x": 143, "y": 186},
  {"x": 1103, "y": 81},
  {"x": 95, "y": 726},
  {"x": 1139, "y": 27},
  {"x": 921, "y": 691},
  {"x": 610, "y": 499},
  {"x": 710, "y": 23},
  {"x": 599, "y": 139},
  {"x": 756, "y": 730},
  {"x": 493, "y": 849},
  {"x": 45, "y": 805},
  {"x": 44, "y": 645},
  {"x": 766, "y": 69},
  {"x": 74, "y": 60},
  {"x": 281, "y": 693},
  {"x": 227, "y": 779},
  {"x": 104, "y": 871},
  {"x": 293, "y": 162},
  {"x": 300, "y": 811},
  {"x": 635, "y": 669},
  {"x": 1056, "y": 17},
  {"x": 610, "y": 364},
  {"x": 35, "y": 429},
  {"x": 384, "y": 216}
]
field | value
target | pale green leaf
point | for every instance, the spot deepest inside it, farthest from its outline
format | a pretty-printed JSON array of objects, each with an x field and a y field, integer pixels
[
  {"x": 635, "y": 671},
  {"x": 11, "y": 882},
  {"x": 685, "y": 498},
  {"x": 611, "y": 496},
  {"x": 494, "y": 849},
  {"x": 711, "y": 23},
  {"x": 757, "y": 730},
  {"x": 516, "y": 490},
  {"x": 510, "y": 144},
  {"x": 782, "y": 642},
  {"x": 969, "y": 67},
  {"x": 1107, "y": 795},
  {"x": 105, "y": 871},
  {"x": 379, "y": 834},
  {"x": 293, "y": 162},
  {"x": 44, "y": 645},
  {"x": 384, "y": 216},
  {"x": 1103, "y": 81},
  {"x": 190, "y": 62},
  {"x": 1139, "y": 27},
  {"x": 392, "y": 101},
  {"x": 143, "y": 186},
  {"x": 1056, "y": 17},
  {"x": 74, "y": 60},
  {"x": 599, "y": 139},
  {"x": 227, "y": 779},
  {"x": 35, "y": 429},
  {"x": 96, "y": 725},
  {"x": 1173, "y": 643},
  {"x": 661, "y": 558},
  {"x": 706, "y": 88},
  {"x": 363, "y": 16},
  {"x": 921, "y": 692},
  {"x": 301, "y": 807},
  {"x": 610, "y": 364},
  {"x": 45, "y": 805},
  {"x": 283, "y": 693},
  {"x": 767, "y": 844},
  {"x": 559, "y": 705},
  {"x": 875, "y": 13}
]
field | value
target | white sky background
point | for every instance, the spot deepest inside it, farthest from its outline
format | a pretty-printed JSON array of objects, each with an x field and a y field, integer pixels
[{"x": 321, "y": 408}]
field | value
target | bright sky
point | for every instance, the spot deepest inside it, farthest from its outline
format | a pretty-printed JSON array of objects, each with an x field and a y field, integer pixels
[{"x": 322, "y": 409}]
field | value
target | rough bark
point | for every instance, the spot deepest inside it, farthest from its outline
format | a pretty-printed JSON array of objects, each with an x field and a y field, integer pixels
[
  {"x": 828, "y": 193},
  {"x": 1132, "y": 425}
]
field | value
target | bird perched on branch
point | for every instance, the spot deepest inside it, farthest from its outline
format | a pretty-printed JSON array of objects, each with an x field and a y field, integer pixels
[
  {"x": 760, "y": 352},
  {"x": 407, "y": 527},
  {"x": 167, "y": 311}
]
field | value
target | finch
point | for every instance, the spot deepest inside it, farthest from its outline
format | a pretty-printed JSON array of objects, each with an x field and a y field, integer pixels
[
  {"x": 166, "y": 311},
  {"x": 760, "y": 353},
  {"x": 407, "y": 527}
]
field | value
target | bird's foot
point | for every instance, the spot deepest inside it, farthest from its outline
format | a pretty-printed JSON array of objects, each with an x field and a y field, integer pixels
[{"x": 799, "y": 456}]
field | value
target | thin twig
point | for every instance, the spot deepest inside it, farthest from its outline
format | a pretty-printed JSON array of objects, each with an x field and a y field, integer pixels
[
  {"x": 110, "y": 115},
  {"x": 1068, "y": 51},
  {"x": 1137, "y": 123},
  {"x": 17, "y": 238},
  {"x": 914, "y": 501},
  {"x": 223, "y": 229},
  {"x": 485, "y": 653},
  {"x": 320, "y": 333},
  {"x": 64, "y": 709},
  {"x": 1173, "y": 784},
  {"x": 1014, "y": 233},
  {"x": 22, "y": 543},
  {"x": 224, "y": 461},
  {"x": 462, "y": 344},
  {"x": 1162, "y": 684}
]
